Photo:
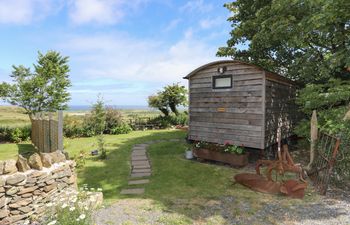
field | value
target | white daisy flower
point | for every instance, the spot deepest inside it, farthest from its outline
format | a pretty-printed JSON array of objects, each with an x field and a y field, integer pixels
[{"x": 82, "y": 216}]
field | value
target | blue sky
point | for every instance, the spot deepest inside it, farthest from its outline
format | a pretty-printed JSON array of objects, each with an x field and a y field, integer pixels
[{"x": 124, "y": 49}]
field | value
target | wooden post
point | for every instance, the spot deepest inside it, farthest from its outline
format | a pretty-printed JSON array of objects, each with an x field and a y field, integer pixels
[{"x": 60, "y": 130}]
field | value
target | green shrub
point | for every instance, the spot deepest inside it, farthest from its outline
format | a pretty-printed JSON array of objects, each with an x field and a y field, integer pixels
[
  {"x": 172, "y": 120},
  {"x": 15, "y": 134},
  {"x": 123, "y": 128},
  {"x": 113, "y": 119}
]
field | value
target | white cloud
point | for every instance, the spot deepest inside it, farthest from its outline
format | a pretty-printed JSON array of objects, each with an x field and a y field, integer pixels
[
  {"x": 27, "y": 11},
  {"x": 197, "y": 6},
  {"x": 121, "y": 57},
  {"x": 172, "y": 25},
  {"x": 101, "y": 11},
  {"x": 211, "y": 22}
]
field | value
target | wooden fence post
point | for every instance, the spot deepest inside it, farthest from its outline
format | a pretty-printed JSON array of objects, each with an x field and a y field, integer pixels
[{"x": 60, "y": 130}]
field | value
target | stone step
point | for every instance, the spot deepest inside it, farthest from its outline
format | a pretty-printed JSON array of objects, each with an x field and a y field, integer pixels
[
  {"x": 141, "y": 167},
  {"x": 139, "y": 158},
  {"x": 134, "y": 175},
  {"x": 133, "y": 191},
  {"x": 140, "y": 163},
  {"x": 147, "y": 170},
  {"x": 142, "y": 181},
  {"x": 141, "y": 145},
  {"x": 138, "y": 152}
]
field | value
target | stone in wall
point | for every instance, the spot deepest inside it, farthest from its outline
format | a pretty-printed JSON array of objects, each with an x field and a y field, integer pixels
[
  {"x": 10, "y": 166},
  {"x": 24, "y": 195},
  {"x": 22, "y": 164},
  {"x": 34, "y": 162}
]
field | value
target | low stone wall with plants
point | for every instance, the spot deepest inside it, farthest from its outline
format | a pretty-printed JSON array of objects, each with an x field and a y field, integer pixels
[{"x": 27, "y": 185}]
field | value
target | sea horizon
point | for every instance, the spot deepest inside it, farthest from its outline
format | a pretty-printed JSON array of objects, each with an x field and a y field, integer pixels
[{"x": 124, "y": 107}]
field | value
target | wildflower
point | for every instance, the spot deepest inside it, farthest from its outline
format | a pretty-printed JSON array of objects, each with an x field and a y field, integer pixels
[
  {"x": 72, "y": 208},
  {"x": 86, "y": 208},
  {"x": 64, "y": 205},
  {"x": 99, "y": 189},
  {"x": 77, "y": 219},
  {"x": 74, "y": 200},
  {"x": 92, "y": 189},
  {"x": 82, "y": 216},
  {"x": 52, "y": 222}
]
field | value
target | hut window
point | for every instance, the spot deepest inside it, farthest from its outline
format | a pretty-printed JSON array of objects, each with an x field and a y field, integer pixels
[{"x": 222, "y": 82}]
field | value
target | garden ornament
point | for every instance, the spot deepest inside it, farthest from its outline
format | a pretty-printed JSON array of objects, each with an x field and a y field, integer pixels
[{"x": 284, "y": 163}]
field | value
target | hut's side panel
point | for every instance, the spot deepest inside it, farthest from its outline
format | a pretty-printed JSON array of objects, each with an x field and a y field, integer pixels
[
  {"x": 232, "y": 115},
  {"x": 281, "y": 110}
]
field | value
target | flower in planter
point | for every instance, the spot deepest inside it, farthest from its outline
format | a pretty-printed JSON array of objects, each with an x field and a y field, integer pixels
[{"x": 234, "y": 149}]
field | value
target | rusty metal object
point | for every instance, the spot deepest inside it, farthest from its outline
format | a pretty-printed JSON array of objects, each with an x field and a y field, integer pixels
[
  {"x": 284, "y": 163},
  {"x": 293, "y": 188},
  {"x": 258, "y": 183},
  {"x": 327, "y": 150}
]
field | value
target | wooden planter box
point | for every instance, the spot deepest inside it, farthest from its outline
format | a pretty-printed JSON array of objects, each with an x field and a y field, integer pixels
[{"x": 232, "y": 159}]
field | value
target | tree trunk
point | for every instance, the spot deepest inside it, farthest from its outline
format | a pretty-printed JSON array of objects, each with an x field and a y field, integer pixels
[
  {"x": 313, "y": 139},
  {"x": 173, "y": 109},
  {"x": 164, "y": 111}
]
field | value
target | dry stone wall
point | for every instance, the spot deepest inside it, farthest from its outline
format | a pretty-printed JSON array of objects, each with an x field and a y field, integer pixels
[{"x": 27, "y": 185}]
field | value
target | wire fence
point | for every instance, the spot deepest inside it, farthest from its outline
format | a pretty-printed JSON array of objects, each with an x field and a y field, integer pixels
[{"x": 47, "y": 131}]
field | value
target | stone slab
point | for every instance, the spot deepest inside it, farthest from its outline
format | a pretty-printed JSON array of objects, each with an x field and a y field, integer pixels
[
  {"x": 133, "y": 191},
  {"x": 138, "y": 152},
  {"x": 141, "y": 167},
  {"x": 143, "y": 181},
  {"x": 144, "y": 162},
  {"x": 134, "y": 175},
  {"x": 147, "y": 170},
  {"x": 144, "y": 155},
  {"x": 141, "y": 145},
  {"x": 139, "y": 158}
]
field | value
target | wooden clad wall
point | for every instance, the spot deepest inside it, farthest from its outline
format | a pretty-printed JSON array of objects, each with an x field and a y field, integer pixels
[
  {"x": 220, "y": 115},
  {"x": 280, "y": 109}
]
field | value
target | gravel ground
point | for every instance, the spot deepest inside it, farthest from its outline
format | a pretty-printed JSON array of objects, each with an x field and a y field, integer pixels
[{"x": 331, "y": 209}]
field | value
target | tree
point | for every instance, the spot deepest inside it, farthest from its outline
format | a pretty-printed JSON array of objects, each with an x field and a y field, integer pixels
[
  {"x": 98, "y": 116},
  {"x": 98, "y": 123},
  {"x": 43, "y": 90},
  {"x": 307, "y": 41},
  {"x": 175, "y": 95},
  {"x": 169, "y": 99}
]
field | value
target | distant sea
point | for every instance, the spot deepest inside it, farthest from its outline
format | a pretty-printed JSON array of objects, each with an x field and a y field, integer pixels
[{"x": 125, "y": 107}]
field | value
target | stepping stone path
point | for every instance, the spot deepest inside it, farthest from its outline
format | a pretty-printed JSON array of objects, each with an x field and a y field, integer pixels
[{"x": 140, "y": 168}]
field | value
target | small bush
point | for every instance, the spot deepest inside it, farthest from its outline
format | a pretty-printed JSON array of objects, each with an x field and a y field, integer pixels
[
  {"x": 121, "y": 129},
  {"x": 114, "y": 119},
  {"x": 15, "y": 134},
  {"x": 172, "y": 120}
]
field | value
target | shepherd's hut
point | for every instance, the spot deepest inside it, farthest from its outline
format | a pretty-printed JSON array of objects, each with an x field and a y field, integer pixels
[{"x": 240, "y": 103}]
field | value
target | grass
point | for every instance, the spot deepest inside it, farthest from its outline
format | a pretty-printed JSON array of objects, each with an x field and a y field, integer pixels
[
  {"x": 13, "y": 116},
  {"x": 187, "y": 190}
]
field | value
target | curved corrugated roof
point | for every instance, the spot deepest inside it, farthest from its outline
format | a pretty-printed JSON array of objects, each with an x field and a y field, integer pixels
[{"x": 268, "y": 73}]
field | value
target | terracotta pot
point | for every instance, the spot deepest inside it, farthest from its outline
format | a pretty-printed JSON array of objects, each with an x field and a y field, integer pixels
[{"x": 230, "y": 158}]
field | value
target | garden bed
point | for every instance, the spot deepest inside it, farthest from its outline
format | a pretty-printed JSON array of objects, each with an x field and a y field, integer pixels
[{"x": 229, "y": 158}]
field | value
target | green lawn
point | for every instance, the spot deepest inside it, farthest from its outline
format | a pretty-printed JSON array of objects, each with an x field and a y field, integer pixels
[
  {"x": 185, "y": 188},
  {"x": 13, "y": 116}
]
